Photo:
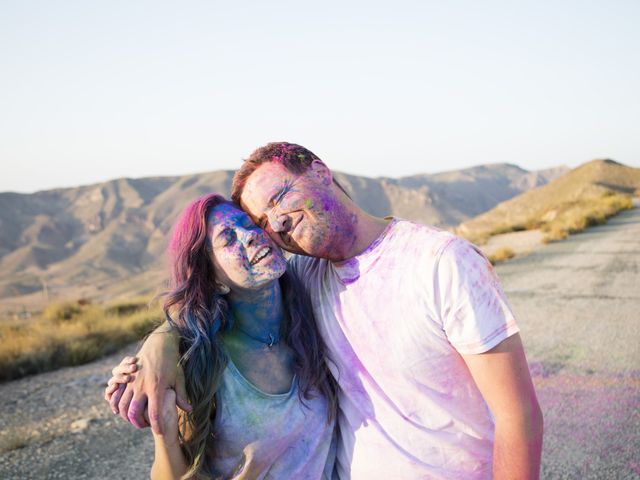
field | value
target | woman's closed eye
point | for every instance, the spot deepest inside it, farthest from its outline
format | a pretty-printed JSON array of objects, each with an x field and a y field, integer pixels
[{"x": 226, "y": 237}]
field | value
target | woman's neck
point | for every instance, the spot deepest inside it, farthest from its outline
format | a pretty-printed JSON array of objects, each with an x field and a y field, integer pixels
[{"x": 258, "y": 312}]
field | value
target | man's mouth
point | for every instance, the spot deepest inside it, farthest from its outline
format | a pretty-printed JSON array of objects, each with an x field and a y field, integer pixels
[
  {"x": 287, "y": 236},
  {"x": 260, "y": 254}
]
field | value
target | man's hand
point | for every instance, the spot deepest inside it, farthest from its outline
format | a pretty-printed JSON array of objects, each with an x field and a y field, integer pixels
[
  {"x": 503, "y": 378},
  {"x": 156, "y": 372},
  {"x": 121, "y": 375}
]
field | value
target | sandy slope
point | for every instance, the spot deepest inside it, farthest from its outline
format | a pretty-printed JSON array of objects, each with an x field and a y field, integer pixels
[{"x": 578, "y": 305}]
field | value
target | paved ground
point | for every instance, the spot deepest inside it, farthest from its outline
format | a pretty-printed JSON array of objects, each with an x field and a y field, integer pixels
[{"x": 578, "y": 304}]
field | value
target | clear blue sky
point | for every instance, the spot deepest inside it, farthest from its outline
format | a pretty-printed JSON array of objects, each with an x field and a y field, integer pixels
[{"x": 93, "y": 90}]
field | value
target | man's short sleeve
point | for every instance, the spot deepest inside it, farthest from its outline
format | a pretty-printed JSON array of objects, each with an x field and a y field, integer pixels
[{"x": 474, "y": 310}]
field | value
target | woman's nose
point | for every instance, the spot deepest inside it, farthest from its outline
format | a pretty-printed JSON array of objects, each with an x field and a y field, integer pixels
[{"x": 249, "y": 235}]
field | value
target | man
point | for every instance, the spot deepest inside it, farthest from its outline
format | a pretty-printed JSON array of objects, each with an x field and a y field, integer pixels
[{"x": 432, "y": 377}]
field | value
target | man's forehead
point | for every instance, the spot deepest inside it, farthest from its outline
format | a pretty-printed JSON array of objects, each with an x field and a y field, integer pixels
[
  {"x": 263, "y": 182},
  {"x": 270, "y": 174}
]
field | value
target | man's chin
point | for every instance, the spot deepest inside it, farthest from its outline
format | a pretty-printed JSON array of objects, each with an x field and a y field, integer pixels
[{"x": 293, "y": 248}]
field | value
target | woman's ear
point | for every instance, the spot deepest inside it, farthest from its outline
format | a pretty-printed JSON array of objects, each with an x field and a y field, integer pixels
[{"x": 322, "y": 172}]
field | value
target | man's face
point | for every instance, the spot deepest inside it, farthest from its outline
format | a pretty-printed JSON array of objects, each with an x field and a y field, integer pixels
[{"x": 298, "y": 211}]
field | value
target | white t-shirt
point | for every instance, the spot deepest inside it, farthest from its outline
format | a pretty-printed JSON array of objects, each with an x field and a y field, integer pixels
[{"x": 395, "y": 320}]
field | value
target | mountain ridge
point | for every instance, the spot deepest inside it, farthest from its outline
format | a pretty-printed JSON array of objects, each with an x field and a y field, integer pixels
[{"x": 89, "y": 239}]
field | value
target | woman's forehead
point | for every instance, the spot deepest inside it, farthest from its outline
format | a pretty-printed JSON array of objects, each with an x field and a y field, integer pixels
[{"x": 226, "y": 214}]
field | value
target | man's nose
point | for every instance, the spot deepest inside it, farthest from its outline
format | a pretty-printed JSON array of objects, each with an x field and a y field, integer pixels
[{"x": 277, "y": 222}]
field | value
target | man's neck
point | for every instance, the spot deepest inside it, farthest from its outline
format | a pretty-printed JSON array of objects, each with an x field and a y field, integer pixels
[{"x": 367, "y": 230}]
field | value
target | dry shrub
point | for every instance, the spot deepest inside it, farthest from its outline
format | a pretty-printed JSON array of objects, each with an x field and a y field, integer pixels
[
  {"x": 554, "y": 233},
  {"x": 62, "y": 311},
  {"x": 57, "y": 339},
  {"x": 507, "y": 228},
  {"x": 579, "y": 215},
  {"x": 126, "y": 307},
  {"x": 475, "y": 237},
  {"x": 501, "y": 254}
]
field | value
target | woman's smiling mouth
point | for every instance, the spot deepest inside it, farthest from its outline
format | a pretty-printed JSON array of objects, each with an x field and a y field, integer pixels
[{"x": 260, "y": 254}]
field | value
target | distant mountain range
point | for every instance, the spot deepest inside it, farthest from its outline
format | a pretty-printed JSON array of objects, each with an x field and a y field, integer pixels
[{"x": 108, "y": 239}]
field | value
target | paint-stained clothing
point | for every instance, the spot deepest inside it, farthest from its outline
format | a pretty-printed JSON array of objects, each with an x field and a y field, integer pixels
[
  {"x": 270, "y": 436},
  {"x": 395, "y": 320}
]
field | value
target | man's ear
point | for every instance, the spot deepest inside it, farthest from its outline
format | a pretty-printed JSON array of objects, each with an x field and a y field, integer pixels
[{"x": 322, "y": 172}]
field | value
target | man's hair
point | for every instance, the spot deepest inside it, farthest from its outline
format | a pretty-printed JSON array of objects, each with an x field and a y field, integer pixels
[{"x": 294, "y": 158}]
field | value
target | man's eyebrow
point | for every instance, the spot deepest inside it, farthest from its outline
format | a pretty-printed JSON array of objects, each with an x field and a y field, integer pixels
[
  {"x": 275, "y": 196},
  {"x": 279, "y": 193}
]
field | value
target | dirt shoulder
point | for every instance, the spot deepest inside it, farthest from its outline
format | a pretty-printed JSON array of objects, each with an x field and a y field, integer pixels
[{"x": 57, "y": 425}]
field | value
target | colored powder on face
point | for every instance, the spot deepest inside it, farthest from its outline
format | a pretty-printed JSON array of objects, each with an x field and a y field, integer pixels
[{"x": 308, "y": 203}]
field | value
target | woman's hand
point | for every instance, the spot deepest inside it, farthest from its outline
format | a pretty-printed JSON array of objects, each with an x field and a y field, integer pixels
[
  {"x": 120, "y": 376},
  {"x": 136, "y": 390},
  {"x": 124, "y": 373},
  {"x": 142, "y": 401}
]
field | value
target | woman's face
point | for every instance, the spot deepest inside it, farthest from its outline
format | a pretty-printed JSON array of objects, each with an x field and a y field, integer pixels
[{"x": 244, "y": 257}]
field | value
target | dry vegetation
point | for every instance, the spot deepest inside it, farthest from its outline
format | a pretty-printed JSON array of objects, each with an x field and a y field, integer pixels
[
  {"x": 501, "y": 254},
  {"x": 71, "y": 333},
  {"x": 566, "y": 218},
  {"x": 586, "y": 196},
  {"x": 577, "y": 216}
]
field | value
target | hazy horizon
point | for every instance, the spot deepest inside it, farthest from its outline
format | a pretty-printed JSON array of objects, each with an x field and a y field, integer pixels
[
  {"x": 93, "y": 92},
  {"x": 231, "y": 169}
]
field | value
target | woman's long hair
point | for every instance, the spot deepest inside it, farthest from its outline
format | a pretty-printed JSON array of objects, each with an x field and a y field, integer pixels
[{"x": 199, "y": 314}]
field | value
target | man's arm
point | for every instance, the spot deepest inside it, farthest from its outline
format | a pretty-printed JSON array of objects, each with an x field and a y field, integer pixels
[
  {"x": 158, "y": 358},
  {"x": 503, "y": 378}
]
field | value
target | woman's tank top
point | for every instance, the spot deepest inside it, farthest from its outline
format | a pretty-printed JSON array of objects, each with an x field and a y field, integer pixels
[{"x": 259, "y": 435}]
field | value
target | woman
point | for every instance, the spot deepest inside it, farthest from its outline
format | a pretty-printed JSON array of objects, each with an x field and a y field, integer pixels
[{"x": 263, "y": 405}]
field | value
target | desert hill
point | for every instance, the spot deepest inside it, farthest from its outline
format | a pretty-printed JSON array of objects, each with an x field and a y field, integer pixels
[
  {"x": 578, "y": 190},
  {"x": 108, "y": 238}
]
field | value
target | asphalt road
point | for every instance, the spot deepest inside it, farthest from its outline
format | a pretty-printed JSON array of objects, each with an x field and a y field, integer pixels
[{"x": 578, "y": 306}]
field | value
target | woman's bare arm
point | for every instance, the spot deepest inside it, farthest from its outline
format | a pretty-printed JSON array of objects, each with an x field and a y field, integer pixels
[{"x": 169, "y": 462}]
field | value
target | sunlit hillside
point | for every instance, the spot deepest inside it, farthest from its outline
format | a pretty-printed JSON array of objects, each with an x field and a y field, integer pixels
[{"x": 585, "y": 196}]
